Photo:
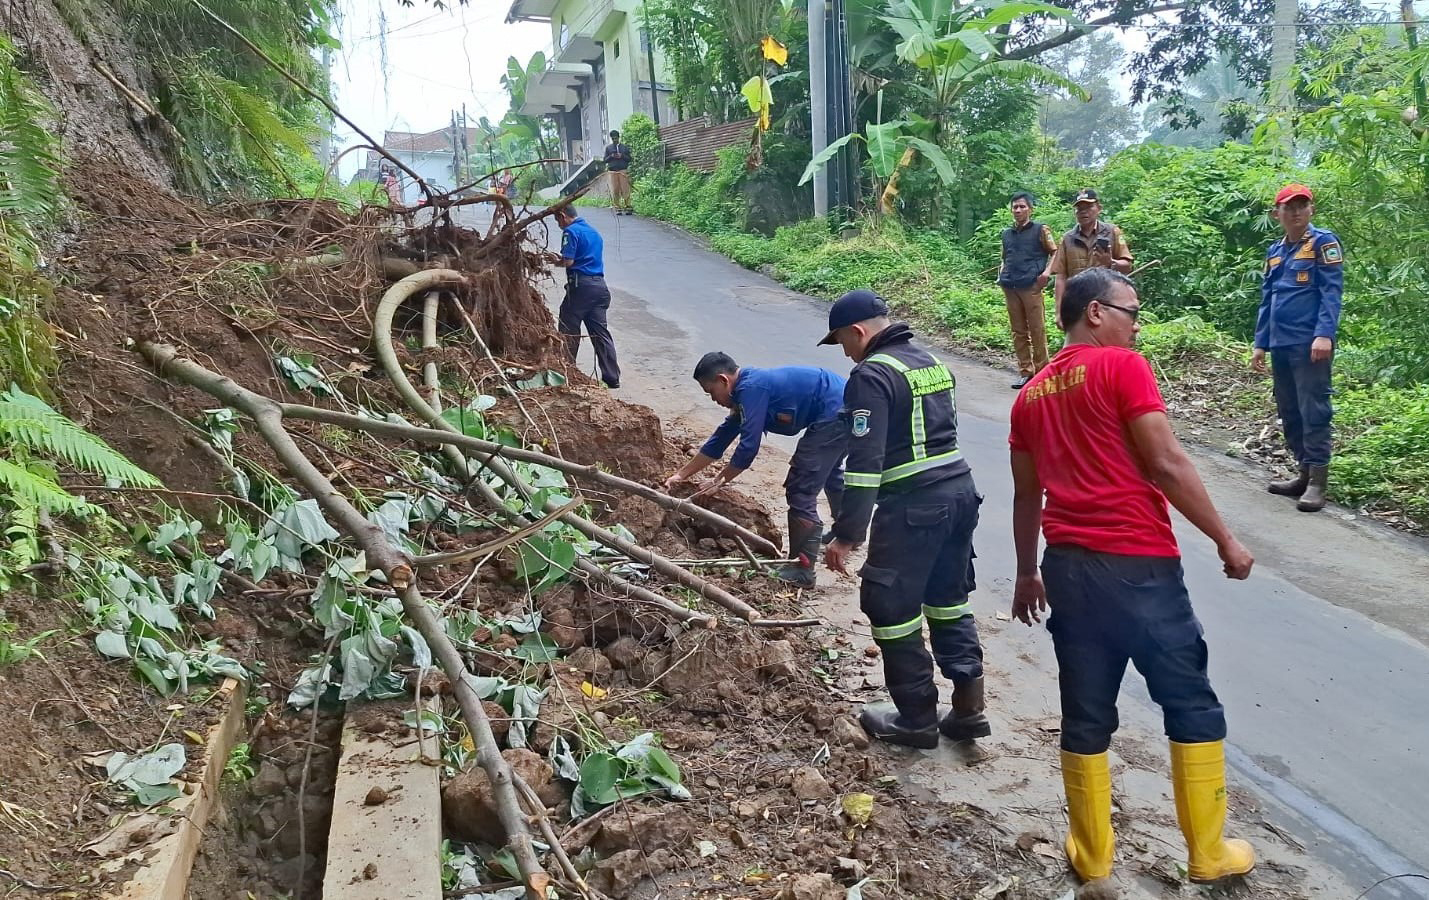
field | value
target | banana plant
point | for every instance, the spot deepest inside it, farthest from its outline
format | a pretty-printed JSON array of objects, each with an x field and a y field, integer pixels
[{"x": 952, "y": 46}]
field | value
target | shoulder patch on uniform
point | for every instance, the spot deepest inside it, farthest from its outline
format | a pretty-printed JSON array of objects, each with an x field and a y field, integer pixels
[
  {"x": 859, "y": 420},
  {"x": 1331, "y": 253}
]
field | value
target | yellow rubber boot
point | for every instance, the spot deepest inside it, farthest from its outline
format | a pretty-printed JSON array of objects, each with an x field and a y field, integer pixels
[
  {"x": 1090, "y": 842},
  {"x": 1198, "y": 774}
]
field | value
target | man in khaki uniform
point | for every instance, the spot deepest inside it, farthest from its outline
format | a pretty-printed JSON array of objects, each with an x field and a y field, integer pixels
[
  {"x": 1092, "y": 243},
  {"x": 1027, "y": 247}
]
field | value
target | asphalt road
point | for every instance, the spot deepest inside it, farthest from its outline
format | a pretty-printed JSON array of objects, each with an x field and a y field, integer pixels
[{"x": 1320, "y": 657}]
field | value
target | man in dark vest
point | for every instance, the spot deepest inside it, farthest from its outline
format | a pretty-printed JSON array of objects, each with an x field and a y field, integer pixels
[
  {"x": 1027, "y": 249},
  {"x": 617, "y": 162}
]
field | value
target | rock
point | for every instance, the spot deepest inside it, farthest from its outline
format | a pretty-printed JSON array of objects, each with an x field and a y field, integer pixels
[
  {"x": 435, "y": 683},
  {"x": 812, "y": 887},
  {"x": 268, "y": 824},
  {"x": 499, "y": 717},
  {"x": 626, "y": 653},
  {"x": 536, "y": 772},
  {"x": 808, "y": 783},
  {"x": 270, "y": 781},
  {"x": 728, "y": 690},
  {"x": 505, "y": 643},
  {"x": 849, "y": 733},
  {"x": 375, "y": 797},
  {"x": 1099, "y": 889},
  {"x": 777, "y": 660},
  {"x": 645, "y": 829},
  {"x": 821, "y": 717},
  {"x": 740, "y": 840},
  {"x": 558, "y": 714},
  {"x": 1028, "y": 840},
  {"x": 470, "y": 808},
  {"x": 746, "y": 809},
  {"x": 591, "y": 663},
  {"x": 872, "y": 651},
  {"x": 567, "y": 637},
  {"x": 621, "y": 872}
]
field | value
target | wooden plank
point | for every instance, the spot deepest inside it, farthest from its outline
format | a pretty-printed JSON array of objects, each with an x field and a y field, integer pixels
[
  {"x": 389, "y": 850},
  {"x": 164, "y": 869}
]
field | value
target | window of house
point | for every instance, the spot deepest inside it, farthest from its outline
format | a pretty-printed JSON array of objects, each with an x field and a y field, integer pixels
[{"x": 617, "y": 49}]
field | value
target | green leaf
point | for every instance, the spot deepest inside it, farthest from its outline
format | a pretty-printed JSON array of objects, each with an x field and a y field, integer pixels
[
  {"x": 537, "y": 648},
  {"x": 935, "y": 155},
  {"x": 311, "y": 685},
  {"x": 600, "y": 773},
  {"x": 112, "y": 645},
  {"x": 534, "y": 557},
  {"x": 883, "y": 147},
  {"x": 152, "y": 794},
  {"x": 822, "y": 159},
  {"x": 294, "y": 529},
  {"x": 562, "y": 560}
]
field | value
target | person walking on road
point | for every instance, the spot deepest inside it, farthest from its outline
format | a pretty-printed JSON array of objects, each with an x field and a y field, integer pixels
[
  {"x": 617, "y": 164},
  {"x": 1090, "y": 434},
  {"x": 1027, "y": 250},
  {"x": 1092, "y": 243},
  {"x": 587, "y": 298},
  {"x": 784, "y": 400},
  {"x": 903, "y": 458},
  {"x": 1300, "y": 297}
]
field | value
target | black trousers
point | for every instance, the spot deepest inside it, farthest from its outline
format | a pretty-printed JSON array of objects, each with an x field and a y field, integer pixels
[
  {"x": 586, "y": 303},
  {"x": 1108, "y": 610},
  {"x": 1302, "y": 397},
  {"x": 919, "y": 569},
  {"x": 817, "y": 465}
]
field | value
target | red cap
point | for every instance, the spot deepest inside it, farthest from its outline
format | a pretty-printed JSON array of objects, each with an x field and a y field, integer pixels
[{"x": 1292, "y": 191}]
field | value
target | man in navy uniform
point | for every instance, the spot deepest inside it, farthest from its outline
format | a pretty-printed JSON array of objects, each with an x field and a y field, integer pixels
[
  {"x": 587, "y": 297},
  {"x": 785, "y": 400},
  {"x": 1300, "y": 296},
  {"x": 903, "y": 457}
]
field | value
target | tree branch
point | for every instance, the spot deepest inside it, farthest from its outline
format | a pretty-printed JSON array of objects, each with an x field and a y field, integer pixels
[{"x": 1086, "y": 28}]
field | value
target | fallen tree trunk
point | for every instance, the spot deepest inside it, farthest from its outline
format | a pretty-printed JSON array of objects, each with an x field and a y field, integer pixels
[
  {"x": 386, "y": 352},
  {"x": 267, "y": 416}
]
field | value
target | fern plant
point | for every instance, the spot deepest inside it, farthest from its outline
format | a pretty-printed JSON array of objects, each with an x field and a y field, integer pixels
[
  {"x": 30, "y": 432},
  {"x": 29, "y": 200}
]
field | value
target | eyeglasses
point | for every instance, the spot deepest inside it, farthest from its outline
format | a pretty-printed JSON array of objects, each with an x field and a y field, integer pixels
[{"x": 1134, "y": 312}]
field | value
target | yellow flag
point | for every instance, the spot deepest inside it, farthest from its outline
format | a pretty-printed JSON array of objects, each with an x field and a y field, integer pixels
[{"x": 774, "y": 51}]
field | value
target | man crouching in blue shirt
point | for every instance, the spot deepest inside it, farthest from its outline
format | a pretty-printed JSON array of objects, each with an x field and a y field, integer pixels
[{"x": 785, "y": 400}]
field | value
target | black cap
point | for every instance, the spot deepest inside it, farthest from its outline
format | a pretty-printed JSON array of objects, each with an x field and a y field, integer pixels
[
  {"x": 853, "y": 307},
  {"x": 1086, "y": 195}
]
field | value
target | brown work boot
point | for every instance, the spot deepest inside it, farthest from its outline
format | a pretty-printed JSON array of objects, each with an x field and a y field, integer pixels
[
  {"x": 1293, "y": 487},
  {"x": 966, "y": 721},
  {"x": 1313, "y": 500}
]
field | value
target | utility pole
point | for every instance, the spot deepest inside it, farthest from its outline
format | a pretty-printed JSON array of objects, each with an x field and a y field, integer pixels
[
  {"x": 1282, "y": 60},
  {"x": 650, "y": 62},
  {"x": 818, "y": 103},
  {"x": 465, "y": 147},
  {"x": 325, "y": 148}
]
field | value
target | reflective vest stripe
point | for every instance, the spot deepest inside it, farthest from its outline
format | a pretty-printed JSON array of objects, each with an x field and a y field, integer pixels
[
  {"x": 918, "y": 425},
  {"x": 946, "y": 613},
  {"x": 863, "y": 479},
  {"x": 894, "y": 632}
]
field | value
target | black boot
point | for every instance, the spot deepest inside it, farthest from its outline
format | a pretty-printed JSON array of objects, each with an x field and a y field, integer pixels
[
  {"x": 884, "y": 722},
  {"x": 911, "y": 720},
  {"x": 1313, "y": 499},
  {"x": 804, "y": 547},
  {"x": 1293, "y": 487},
  {"x": 966, "y": 721}
]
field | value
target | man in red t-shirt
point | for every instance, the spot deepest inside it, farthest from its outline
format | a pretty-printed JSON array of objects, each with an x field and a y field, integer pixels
[{"x": 1090, "y": 433}]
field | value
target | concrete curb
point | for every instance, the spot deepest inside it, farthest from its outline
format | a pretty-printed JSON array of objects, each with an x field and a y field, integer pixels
[
  {"x": 386, "y": 834},
  {"x": 168, "y": 860}
]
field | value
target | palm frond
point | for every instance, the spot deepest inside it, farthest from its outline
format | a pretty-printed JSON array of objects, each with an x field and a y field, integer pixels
[{"x": 29, "y": 421}]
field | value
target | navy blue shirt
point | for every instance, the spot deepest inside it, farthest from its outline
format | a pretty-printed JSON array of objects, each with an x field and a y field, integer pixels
[
  {"x": 785, "y": 400},
  {"x": 582, "y": 243},
  {"x": 1301, "y": 291}
]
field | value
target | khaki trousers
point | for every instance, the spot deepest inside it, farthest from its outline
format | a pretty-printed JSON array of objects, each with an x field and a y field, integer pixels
[
  {"x": 1029, "y": 327},
  {"x": 619, "y": 189}
]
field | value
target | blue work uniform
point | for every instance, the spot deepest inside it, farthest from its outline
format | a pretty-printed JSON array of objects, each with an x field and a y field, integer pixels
[
  {"x": 587, "y": 298},
  {"x": 788, "y": 400},
  {"x": 1301, "y": 293}
]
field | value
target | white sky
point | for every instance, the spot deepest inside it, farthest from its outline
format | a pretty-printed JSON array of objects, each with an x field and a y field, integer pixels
[{"x": 436, "y": 61}]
